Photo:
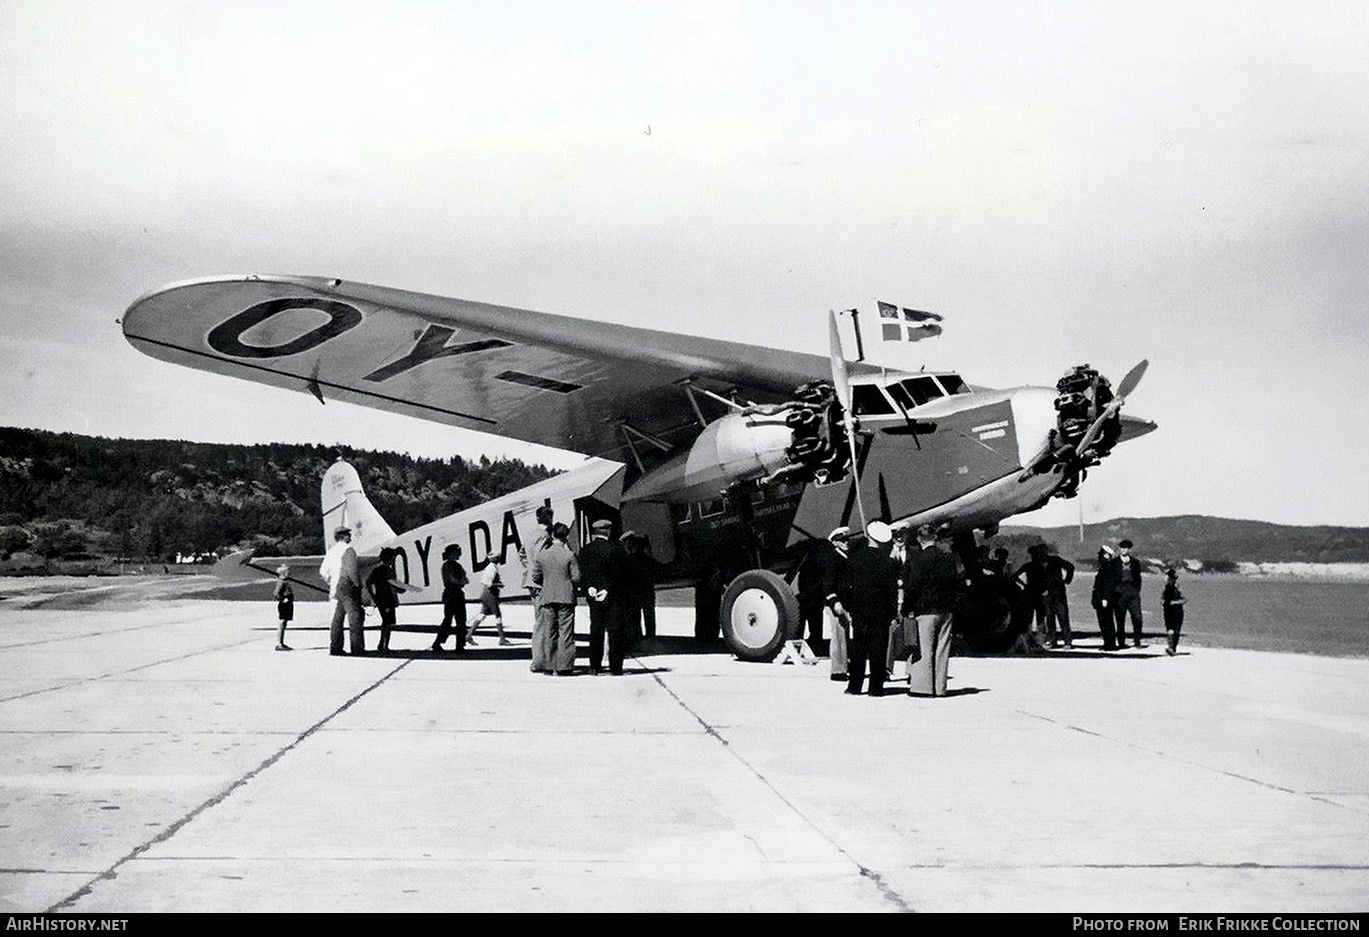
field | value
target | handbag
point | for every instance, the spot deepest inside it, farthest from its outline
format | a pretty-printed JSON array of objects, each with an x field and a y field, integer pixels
[{"x": 912, "y": 638}]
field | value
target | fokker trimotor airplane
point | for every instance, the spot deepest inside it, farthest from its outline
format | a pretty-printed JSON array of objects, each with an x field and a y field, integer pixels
[{"x": 727, "y": 457}]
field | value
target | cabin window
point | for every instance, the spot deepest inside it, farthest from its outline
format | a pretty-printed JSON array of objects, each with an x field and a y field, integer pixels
[
  {"x": 953, "y": 384},
  {"x": 679, "y": 513},
  {"x": 922, "y": 389},
  {"x": 711, "y": 508},
  {"x": 869, "y": 400}
]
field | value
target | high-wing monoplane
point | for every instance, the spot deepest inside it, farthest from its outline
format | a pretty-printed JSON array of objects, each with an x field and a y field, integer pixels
[{"x": 727, "y": 457}]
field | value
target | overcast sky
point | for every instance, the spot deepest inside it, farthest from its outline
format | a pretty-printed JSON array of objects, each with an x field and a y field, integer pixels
[{"x": 1185, "y": 182}]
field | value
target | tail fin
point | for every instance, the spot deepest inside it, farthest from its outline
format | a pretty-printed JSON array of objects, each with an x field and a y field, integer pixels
[{"x": 346, "y": 505}]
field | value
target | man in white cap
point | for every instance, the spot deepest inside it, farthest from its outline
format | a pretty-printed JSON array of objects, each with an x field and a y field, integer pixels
[
  {"x": 871, "y": 600},
  {"x": 931, "y": 585},
  {"x": 339, "y": 568}
]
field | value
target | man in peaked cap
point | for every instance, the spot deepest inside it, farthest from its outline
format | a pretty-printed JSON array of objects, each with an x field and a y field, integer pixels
[
  {"x": 1128, "y": 595},
  {"x": 831, "y": 579},
  {"x": 931, "y": 585},
  {"x": 603, "y": 571},
  {"x": 816, "y": 571},
  {"x": 871, "y": 600}
]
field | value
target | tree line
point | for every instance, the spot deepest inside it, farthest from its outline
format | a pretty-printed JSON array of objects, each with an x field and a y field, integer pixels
[{"x": 69, "y": 496}]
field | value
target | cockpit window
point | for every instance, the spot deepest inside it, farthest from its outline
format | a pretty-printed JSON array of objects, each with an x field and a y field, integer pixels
[
  {"x": 900, "y": 395},
  {"x": 953, "y": 384},
  {"x": 868, "y": 400},
  {"x": 922, "y": 389}
]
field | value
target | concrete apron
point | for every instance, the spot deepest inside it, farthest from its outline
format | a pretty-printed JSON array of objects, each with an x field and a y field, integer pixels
[{"x": 167, "y": 758}]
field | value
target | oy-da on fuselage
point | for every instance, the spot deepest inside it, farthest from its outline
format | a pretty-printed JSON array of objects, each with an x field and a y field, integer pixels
[{"x": 725, "y": 456}]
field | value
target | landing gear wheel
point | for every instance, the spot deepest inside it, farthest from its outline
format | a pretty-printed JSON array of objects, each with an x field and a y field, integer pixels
[{"x": 759, "y": 613}]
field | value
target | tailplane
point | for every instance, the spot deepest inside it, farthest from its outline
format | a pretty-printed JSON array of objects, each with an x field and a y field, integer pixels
[{"x": 346, "y": 505}]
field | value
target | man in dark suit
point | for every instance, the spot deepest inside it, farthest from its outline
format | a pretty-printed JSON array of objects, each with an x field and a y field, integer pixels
[
  {"x": 931, "y": 588},
  {"x": 870, "y": 598},
  {"x": 1128, "y": 595},
  {"x": 1058, "y": 574},
  {"x": 1104, "y": 596},
  {"x": 603, "y": 569}
]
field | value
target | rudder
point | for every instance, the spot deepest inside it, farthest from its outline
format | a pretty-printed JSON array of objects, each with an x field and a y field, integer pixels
[{"x": 344, "y": 504}]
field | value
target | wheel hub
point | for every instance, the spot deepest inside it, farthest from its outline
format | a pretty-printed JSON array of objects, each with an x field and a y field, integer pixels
[{"x": 755, "y": 617}]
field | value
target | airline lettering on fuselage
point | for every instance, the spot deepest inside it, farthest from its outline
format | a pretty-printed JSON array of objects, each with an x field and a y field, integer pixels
[
  {"x": 481, "y": 554},
  {"x": 402, "y": 558},
  {"x": 482, "y": 546},
  {"x": 424, "y": 547},
  {"x": 226, "y": 337}
]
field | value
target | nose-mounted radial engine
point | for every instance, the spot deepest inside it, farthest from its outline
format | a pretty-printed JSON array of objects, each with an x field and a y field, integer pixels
[{"x": 1088, "y": 424}]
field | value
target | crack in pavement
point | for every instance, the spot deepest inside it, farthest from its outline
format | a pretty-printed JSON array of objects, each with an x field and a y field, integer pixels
[
  {"x": 116, "y": 673},
  {"x": 1268, "y": 785},
  {"x": 218, "y": 798},
  {"x": 884, "y": 888}
]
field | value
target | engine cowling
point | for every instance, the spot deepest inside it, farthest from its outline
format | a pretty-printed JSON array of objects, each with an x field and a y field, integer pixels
[{"x": 735, "y": 448}]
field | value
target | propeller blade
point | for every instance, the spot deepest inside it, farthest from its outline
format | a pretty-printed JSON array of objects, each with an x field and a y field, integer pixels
[
  {"x": 841, "y": 383},
  {"x": 1127, "y": 385},
  {"x": 1133, "y": 378}
]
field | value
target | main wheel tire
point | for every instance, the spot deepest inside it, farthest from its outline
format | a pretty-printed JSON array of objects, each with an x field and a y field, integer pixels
[{"x": 759, "y": 613}]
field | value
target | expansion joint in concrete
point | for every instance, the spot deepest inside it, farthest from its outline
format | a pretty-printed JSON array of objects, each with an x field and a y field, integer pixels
[
  {"x": 218, "y": 798},
  {"x": 885, "y": 890},
  {"x": 120, "y": 673}
]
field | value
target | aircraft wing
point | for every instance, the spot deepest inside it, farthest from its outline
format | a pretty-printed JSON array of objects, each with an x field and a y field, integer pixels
[{"x": 555, "y": 380}]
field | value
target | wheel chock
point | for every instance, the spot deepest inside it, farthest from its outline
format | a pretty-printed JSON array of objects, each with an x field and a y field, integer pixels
[{"x": 796, "y": 652}]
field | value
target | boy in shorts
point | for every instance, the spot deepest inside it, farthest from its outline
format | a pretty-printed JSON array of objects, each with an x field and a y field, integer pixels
[{"x": 490, "y": 586}]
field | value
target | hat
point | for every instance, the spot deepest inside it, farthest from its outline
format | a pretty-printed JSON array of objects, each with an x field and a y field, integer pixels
[
  {"x": 602, "y": 525},
  {"x": 342, "y": 530},
  {"x": 282, "y": 568},
  {"x": 839, "y": 533},
  {"x": 1125, "y": 543},
  {"x": 879, "y": 532},
  {"x": 1107, "y": 550}
]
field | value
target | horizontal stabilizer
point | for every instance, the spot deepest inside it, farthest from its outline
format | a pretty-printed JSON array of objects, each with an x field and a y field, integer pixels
[{"x": 242, "y": 566}]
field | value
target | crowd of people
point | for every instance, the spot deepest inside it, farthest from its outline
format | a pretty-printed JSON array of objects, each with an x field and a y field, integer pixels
[
  {"x": 617, "y": 580},
  {"x": 882, "y": 597}
]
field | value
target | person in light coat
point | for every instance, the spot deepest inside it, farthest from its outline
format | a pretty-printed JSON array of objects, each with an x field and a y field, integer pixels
[{"x": 556, "y": 574}]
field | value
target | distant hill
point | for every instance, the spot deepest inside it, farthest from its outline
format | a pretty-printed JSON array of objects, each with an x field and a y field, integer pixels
[
  {"x": 1213, "y": 540},
  {"x": 65, "y": 496}
]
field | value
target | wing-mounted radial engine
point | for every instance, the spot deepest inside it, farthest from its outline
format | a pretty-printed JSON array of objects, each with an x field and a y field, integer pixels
[
  {"x": 1088, "y": 425},
  {"x": 794, "y": 441},
  {"x": 817, "y": 450}
]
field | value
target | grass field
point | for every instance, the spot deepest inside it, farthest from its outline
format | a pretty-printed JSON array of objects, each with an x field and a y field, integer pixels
[{"x": 1304, "y": 617}]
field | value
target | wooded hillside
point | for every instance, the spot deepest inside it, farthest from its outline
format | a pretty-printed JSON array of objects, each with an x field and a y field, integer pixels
[{"x": 66, "y": 496}]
